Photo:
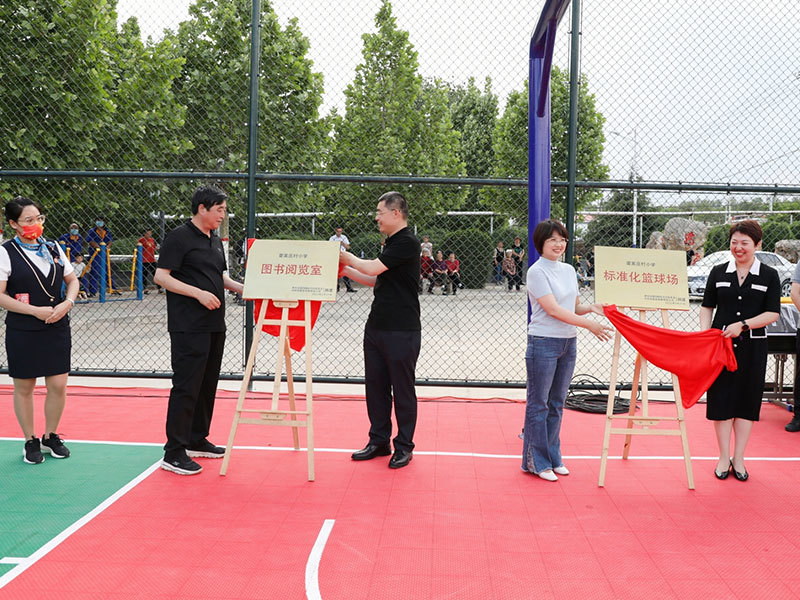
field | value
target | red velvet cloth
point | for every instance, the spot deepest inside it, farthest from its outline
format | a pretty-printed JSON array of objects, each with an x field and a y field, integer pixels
[
  {"x": 296, "y": 334},
  {"x": 696, "y": 357}
]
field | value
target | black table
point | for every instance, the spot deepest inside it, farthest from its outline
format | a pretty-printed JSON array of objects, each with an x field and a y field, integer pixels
[{"x": 781, "y": 342}]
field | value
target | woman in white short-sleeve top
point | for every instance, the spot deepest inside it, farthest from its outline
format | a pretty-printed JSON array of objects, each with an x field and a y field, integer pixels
[{"x": 550, "y": 357}]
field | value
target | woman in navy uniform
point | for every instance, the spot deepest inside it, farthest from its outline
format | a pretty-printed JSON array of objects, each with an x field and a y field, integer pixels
[
  {"x": 33, "y": 272},
  {"x": 746, "y": 294}
]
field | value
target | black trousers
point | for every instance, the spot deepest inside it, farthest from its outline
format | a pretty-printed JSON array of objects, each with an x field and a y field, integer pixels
[
  {"x": 148, "y": 272},
  {"x": 796, "y": 391},
  {"x": 196, "y": 361},
  {"x": 390, "y": 358}
]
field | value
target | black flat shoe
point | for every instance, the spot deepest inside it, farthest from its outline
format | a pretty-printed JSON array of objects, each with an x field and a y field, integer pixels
[
  {"x": 739, "y": 476},
  {"x": 722, "y": 475},
  {"x": 370, "y": 451}
]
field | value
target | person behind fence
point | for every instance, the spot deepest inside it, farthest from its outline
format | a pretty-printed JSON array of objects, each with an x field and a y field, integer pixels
[
  {"x": 510, "y": 270},
  {"x": 79, "y": 267},
  {"x": 497, "y": 261},
  {"x": 425, "y": 269},
  {"x": 392, "y": 335},
  {"x": 519, "y": 254},
  {"x": 344, "y": 245},
  {"x": 556, "y": 312},
  {"x": 453, "y": 273},
  {"x": 72, "y": 240},
  {"x": 38, "y": 289},
  {"x": 427, "y": 245},
  {"x": 192, "y": 268},
  {"x": 149, "y": 247},
  {"x": 742, "y": 297},
  {"x": 439, "y": 276},
  {"x": 97, "y": 235}
]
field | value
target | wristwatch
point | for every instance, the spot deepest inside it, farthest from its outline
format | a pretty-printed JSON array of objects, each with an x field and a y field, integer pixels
[{"x": 745, "y": 326}]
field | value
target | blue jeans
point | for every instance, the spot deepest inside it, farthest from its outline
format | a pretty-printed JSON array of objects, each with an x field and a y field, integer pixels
[
  {"x": 498, "y": 273},
  {"x": 550, "y": 363}
]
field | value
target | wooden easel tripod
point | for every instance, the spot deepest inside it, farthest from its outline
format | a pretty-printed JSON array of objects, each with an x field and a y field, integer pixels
[
  {"x": 274, "y": 415},
  {"x": 645, "y": 421}
]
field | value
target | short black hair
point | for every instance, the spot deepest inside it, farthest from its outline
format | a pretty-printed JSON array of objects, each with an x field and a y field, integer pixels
[
  {"x": 749, "y": 228},
  {"x": 15, "y": 207},
  {"x": 395, "y": 201},
  {"x": 208, "y": 196},
  {"x": 544, "y": 230}
]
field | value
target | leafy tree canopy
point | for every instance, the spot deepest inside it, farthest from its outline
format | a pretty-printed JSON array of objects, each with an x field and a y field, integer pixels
[{"x": 391, "y": 125}]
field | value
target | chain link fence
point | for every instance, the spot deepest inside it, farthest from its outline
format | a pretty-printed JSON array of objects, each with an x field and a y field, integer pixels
[{"x": 117, "y": 111}]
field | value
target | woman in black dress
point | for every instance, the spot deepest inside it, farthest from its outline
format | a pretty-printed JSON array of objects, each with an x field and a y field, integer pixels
[
  {"x": 33, "y": 272},
  {"x": 746, "y": 294}
]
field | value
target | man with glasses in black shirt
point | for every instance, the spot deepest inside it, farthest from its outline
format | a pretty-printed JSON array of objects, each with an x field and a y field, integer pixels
[
  {"x": 393, "y": 334},
  {"x": 192, "y": 268}
]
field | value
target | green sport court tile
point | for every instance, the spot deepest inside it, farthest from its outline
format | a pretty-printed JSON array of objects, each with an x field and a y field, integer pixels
[{"x": 37, "y": 502}]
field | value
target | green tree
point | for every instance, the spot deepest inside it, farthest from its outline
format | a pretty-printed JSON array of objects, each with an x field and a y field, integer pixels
[
  {"x": 717, "y": 239},
  {"x": 474, "y": 115},
  {"x": 78, "y": 94},
  {"x": 511, "y": 146},
  {"x": 214, "y": 86},
  {"x": 55, "y": 78},
  {"x": 775, "y": 230},
  {"x": 145, "y": 131},
  {"x": 390, "y": 126},
  {"x": 53, "y": 92},
  {"x": 617, "y": 230}
]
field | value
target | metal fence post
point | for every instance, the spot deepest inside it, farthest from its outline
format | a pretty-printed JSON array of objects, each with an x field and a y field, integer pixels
[
  {"x": 101, "y": 276},
  {"x": 139, "y": 279},
  {"x": 252, "y": 154},
  {"x": 572, "y": 152}
]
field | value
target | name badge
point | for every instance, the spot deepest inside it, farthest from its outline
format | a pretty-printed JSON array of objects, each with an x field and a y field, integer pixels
[
  {"x": 723, "y": 284},
  {"x": 24, "y": 298},
  {"x": 759, "y": 288}
]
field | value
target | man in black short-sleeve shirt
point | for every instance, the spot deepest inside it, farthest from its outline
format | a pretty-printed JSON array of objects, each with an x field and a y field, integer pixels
[
  {"x": 393, "y": 334},
  {"x": 191, "y": 267}
]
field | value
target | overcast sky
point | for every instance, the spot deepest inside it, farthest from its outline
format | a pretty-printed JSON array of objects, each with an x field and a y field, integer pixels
[{"x": 693, "y": 91}]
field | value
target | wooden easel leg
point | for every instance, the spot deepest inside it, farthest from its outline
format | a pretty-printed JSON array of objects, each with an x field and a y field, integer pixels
[
  {"x": 276, "y": 383},
  {"x": 287, "y": 354},
  {"x": 637, "y": 371},
  {"x": 248, "y": 372},
  {"x": 309, "y": 396},
  {"x": 609, "y": 409},
  {"x": 687, "y": 458}
]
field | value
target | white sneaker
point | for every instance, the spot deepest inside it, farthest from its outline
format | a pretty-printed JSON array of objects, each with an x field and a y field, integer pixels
[
  {"x": 562, "y": 470},
  {"x": 548, "y": 475}
]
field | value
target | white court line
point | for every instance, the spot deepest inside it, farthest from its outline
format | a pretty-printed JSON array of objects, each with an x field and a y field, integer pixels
[
  {"x": 30, "y": 560},
  {"x": 439, "y": 453},
  {"x": 11, "y": 560},
  {"x": 312, "y": 566}
]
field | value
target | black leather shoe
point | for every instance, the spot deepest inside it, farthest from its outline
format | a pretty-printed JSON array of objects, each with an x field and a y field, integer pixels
[
  {"x": 400, "y": 459},
  {"x": 739, "y": 476},
  {"x": 722, "y": 475},
  {"x": 370, "y": 451},
  {"x": 793, "y": 425}
]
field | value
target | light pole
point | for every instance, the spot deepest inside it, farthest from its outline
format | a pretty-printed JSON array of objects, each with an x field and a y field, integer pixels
[{"x": 632, "y": 174}]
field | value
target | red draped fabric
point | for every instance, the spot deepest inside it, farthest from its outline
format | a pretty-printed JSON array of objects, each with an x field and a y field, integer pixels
[{"x": 696, "y": 357}]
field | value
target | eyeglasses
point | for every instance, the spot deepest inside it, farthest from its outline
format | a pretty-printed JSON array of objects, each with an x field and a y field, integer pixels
[
  {"x": 31, "y": 220},
  {"x": 554, "y": 240},
  {"x": 379, "y": 213}
]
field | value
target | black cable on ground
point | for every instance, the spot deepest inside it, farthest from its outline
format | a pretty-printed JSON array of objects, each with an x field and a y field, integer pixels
[{"x": 592, "y": 397}]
